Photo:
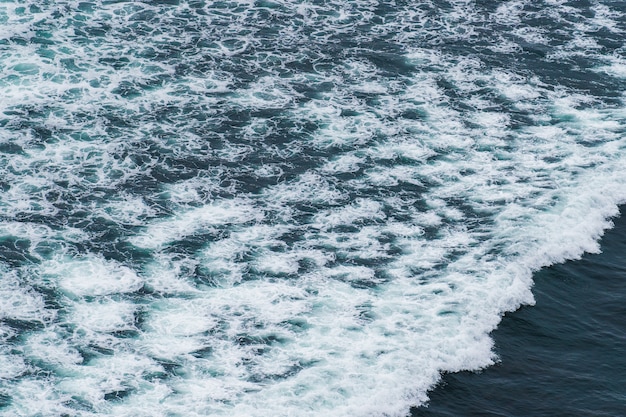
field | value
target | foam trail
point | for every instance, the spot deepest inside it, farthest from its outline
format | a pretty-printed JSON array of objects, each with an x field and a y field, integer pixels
[{"x": 282, "y": 208}]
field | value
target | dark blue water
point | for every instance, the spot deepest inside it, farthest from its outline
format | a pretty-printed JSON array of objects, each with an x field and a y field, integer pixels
[{"x": 562, "y": 357}]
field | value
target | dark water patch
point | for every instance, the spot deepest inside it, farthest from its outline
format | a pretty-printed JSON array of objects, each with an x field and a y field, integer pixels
[
  {"x": 117, "y": 395},
  {"x": 94, "y": 351},
  {"x": 23, "y": 326},
  {"x": 90, "y": 353},
  {"x": 5, "y": 401},
  {"x": 15, "y": 252},
  {"x": 203, "y": 352},
  {"x": 171, "y": 368},
  {"x": 126, "y": 334},
  {"x": 562, "y": 357},
  {"x": 79, "y": 404}
]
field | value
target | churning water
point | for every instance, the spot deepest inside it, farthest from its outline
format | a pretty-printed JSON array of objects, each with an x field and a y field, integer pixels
[
  {"x": 562, "y": 357},
  {"x": 289, "y": 208}
]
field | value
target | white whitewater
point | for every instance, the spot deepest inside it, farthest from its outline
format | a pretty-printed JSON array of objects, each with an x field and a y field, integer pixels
[{"x": 220, "y": 209}]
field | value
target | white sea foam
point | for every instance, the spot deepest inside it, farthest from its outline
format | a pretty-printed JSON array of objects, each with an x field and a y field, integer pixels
[
  {"x": 280, "y": 209},
  {"x": 199, "y": 220},
  {"x": 91, "y": 276},
  {"x": 19, "y": 302},
  {"x": 104, "y": 315}
]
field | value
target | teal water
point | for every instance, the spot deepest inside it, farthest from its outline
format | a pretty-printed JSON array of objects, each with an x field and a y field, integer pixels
[
  {"x": 289, "y": 208},
  {"x": 562, "y": 357}
]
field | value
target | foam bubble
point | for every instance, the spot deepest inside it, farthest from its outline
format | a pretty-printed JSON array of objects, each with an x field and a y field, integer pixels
[
  {"x": 105, "y": 315},
  {"x": 32, "y": 397},
  {"x": 277, "y": 264},
  {"x": 52, "y": 350},
  {"x": 202, "y": 219},
  {"x": 11, "y": 366},
  {"x": 18, "y": 301},
  {"x": 360, "y": 210},
  {"x": 168, "y": 275},
  {"x": 92, "y": 276},
  {"x": 289, "y": 209}
]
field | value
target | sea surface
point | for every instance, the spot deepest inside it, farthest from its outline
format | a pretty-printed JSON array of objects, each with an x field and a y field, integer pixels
[
  {"x": 562, "y": 357},
  {"x": 299, "y": 208}
]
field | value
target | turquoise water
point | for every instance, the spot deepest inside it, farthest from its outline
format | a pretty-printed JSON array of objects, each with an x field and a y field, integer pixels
[
  {"x": 561, "y": 357},
  {"x": 289, "y": 208}
]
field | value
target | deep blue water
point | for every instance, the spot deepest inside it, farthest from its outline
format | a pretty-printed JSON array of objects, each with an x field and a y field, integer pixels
[
  {"x": 291, "y": 208},
  {"x": 562, "y": 357}
]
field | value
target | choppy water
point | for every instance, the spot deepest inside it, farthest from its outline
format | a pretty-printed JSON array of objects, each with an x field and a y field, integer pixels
[
  {"x": 289, "y": 208},
  {"x": 561, "y": 357}
]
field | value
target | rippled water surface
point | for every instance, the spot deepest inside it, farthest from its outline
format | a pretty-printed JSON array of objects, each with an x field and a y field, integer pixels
[
  {"x": 289, "y": 208},
  {"x": 562, "y": 357}
]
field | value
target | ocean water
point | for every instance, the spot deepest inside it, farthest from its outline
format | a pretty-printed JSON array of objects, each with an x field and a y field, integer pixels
[
  {"x": 562, "y": 357},
  {"x": 290, "y": 208}
]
